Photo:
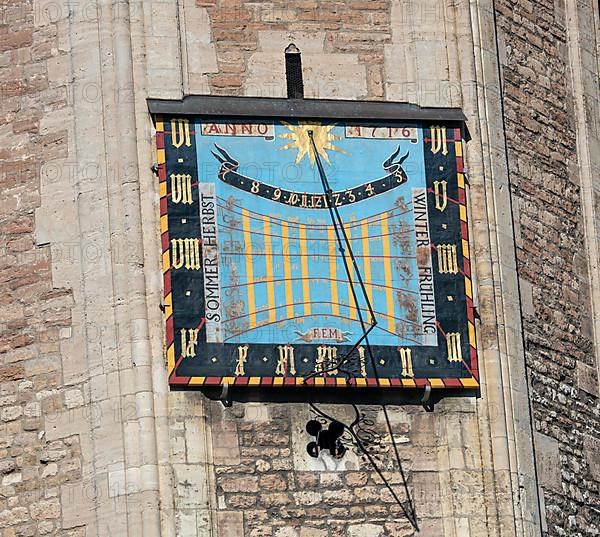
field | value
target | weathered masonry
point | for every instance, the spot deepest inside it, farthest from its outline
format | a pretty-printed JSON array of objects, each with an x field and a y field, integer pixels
[{"x": 99, "y": 439}]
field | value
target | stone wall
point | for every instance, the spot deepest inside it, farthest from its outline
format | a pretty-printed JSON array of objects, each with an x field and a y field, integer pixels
[
  {"x": 552, "y": 251},
  {"x": 35, "y": 313},
  {"x": 262, "y": 482},
  {"x": 269, "y": 486},
  {"x": 249, "y": 38},
  {"x": 93, "y": 443}
]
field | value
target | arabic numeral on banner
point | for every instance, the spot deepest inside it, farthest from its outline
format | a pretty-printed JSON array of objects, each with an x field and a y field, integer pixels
[{"x": 255, "y": 187}]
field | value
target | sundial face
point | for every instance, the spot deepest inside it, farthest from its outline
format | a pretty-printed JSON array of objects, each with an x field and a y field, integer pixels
[{"x": 262, "y": 289}]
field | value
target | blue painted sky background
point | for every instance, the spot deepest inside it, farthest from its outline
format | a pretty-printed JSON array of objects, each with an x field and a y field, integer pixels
[{"x": 265, "y": 161}]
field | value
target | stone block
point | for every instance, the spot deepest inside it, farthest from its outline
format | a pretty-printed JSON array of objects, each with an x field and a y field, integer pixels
[
  {"x": 591, "y": 452},
  {"x": 239, "y": 484},
  {"x": 226, "y": 448},
  {"x": 307, "y": 531},
  {"x": 195, "y": 434},
  {"x": 286, "y": 531},
  {"x": 200, "y": 53},
  {"x": 12, "y": 479},
  {"x": 191, "y": 484},
  {"x": 11, "y": 413},
  {"x": 11, "y": 517},
  {"x": 308, "y": 497},
  {"x": 258, "y": 412},
  {"x": 45, "y": 509},
  {"x": 76, "y": 500},
  {"x": 73, "y": 398},
  {"x": 230, "y": 523},
  {"x": 527, "y": 305},
  {"x": 366, "y": 530},
  {"x": 272, "y": 482},
  {"x": 587, "y": 379},
  {"x": 544, "y": 520},
  {"x": 548, "y": 461},
  {"x": 186, "y": 522},
  {"x": 426, "y": 492},
  {"x": 423, "y": 429},
  {"x": 11, "y": 372}
]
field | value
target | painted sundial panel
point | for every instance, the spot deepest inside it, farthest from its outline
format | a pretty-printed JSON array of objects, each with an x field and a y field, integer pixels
[{"x": 261, "y": 288}]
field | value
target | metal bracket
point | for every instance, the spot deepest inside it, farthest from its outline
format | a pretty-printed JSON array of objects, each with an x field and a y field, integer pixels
[
  {"x": 425, "y": 400},
  {"x": 223, "y": 397}
]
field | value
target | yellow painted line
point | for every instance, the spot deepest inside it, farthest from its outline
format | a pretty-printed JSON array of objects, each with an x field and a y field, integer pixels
[
  {"x": 463, "y": 213},
  {"x": 299, "y": 380},
  {"x": 249, "y": 268},
  {"x": 160, "y": 156},
  {"x": 465, "y": 248},
  {"x": 367, "y": 261},
  {"x": 461, "y": 180},
  {"x": 468, "y": 289},
  {"x": 166, "y": 261},
  {"x": 287, "y": 271},
  {"x": 331, "y": 250},
  {"x": 162, "y": 189},
  {"x": 469, "y": 383},
  {"x": 319, "y": 381},
  {"x": 351, "y": 305},
  {"x": 340, "y": 382},
  {"x": 228, "y": 380},
  {"x": 387, "y": 269},
  {"x": 436, "y": 383},
  {"x": 458, "y": 149},
  {"x": 278, "y": 381},
  {"x": 269, "y": 263},
  {"x": 361, "y": 382},
  {"x": 472, "y": 340},
  {"x": 304, "y": 265},
  {"x": 171, "y": 358},
  {"x": 168, "y": 305},
  {"x": 384, "y": 383},
  {"x": 254, "y": 381},
  {"x": 197, "y": 381},
  {"x": 160, "y": 126},
  {"x": 408, "y": 383},
  {"x": 164, "y": 223}
]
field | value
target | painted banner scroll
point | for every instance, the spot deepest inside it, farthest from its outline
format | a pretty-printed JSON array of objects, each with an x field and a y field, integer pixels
[{"x": 256, "y": 290}]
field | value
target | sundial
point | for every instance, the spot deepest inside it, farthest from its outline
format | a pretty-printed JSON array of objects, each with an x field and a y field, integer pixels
[{"x": 256, "y": 290}]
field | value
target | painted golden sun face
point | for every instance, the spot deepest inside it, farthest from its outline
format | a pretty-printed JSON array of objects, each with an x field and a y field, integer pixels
[{"x": 322, "y": 135}]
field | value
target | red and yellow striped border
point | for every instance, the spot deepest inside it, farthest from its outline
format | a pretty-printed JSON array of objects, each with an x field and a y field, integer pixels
[
  {"x": 464, "y": 227},
  {"x": 326, "y": 382},
  {"x": 164, "y": 237}
]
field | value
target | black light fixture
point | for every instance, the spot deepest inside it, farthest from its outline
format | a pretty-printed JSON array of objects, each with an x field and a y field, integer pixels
[{"x": 326, "y": 439}]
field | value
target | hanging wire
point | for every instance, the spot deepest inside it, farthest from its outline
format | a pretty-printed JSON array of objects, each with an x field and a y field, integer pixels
[{"x": 343, "y": 246}]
